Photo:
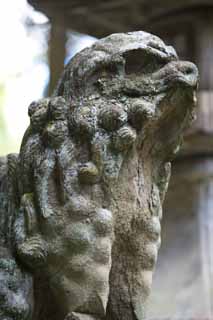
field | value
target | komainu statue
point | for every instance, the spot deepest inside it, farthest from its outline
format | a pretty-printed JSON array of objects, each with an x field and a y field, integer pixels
[{"x": 81, "y": 203}]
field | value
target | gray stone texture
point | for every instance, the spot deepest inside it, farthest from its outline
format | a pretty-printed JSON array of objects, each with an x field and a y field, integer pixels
[{"x": 81, "y": 203}]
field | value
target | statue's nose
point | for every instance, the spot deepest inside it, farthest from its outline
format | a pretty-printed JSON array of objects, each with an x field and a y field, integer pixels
[
  {"x": 187, "y": 73},
  {"x": 182, "y": 72}
]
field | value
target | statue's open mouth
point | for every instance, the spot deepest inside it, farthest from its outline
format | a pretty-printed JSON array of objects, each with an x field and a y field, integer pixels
[{"x": 172, "y": 75}]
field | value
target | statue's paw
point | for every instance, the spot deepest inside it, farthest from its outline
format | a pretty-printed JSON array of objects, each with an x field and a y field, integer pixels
[{"x": 33, "y": 251}]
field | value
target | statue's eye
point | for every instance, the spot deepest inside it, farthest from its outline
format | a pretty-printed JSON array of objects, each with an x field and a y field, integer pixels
[{"x": 142, "y": 62}]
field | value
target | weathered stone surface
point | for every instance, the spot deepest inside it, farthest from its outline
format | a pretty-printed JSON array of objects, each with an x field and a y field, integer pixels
[{"x": 81, "y": 203}]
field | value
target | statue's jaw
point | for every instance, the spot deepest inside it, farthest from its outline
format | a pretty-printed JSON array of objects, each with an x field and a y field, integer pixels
[{"x": 170, "y": 109}]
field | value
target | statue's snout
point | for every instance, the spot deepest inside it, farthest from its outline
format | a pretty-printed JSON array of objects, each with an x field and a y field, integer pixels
[
  {"x": 175, "y": 73},
  {"x": 187, "y": 73}
]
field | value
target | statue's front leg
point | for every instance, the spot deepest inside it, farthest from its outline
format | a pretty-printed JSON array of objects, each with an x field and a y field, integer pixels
[{"x": 75, "y": 257}]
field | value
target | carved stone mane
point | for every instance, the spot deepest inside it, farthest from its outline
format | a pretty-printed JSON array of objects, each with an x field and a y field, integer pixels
[{"x": 81, "y": 204}]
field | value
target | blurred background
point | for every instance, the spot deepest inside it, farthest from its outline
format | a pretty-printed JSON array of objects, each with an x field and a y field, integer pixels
[{"x": 38, "y": 37}]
